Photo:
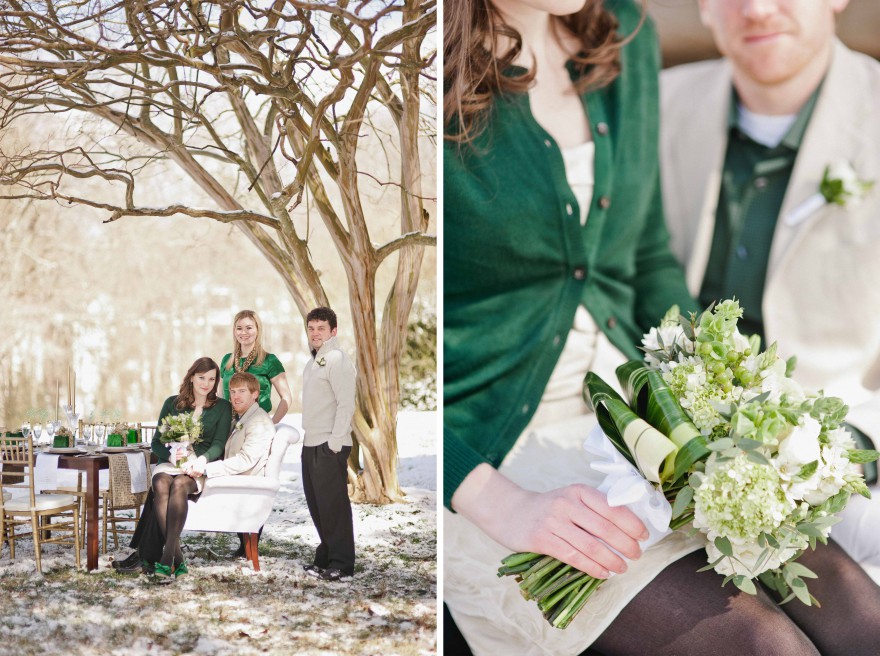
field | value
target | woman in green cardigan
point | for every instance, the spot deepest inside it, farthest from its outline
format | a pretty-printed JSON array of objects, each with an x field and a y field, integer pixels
[
  {"x": 555, "y": 263},
  {"x": 171, "y": 487}
]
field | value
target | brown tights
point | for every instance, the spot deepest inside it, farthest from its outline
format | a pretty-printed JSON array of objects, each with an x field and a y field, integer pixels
[
  {"x": 170, "y": 495},
  {"x": 682, "y": 613}
]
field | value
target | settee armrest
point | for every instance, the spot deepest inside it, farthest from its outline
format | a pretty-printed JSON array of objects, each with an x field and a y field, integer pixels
[{"x": 239, "y": 484}]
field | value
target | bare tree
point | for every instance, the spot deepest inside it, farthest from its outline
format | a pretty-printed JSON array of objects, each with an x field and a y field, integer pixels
[{"x": 264, "y": 106}]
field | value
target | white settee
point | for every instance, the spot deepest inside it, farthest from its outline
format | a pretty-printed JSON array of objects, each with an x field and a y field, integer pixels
[{"x": 242, "y": 504}]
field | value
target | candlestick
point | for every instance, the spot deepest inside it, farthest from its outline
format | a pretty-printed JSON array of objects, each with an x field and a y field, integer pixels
[
  {"x": 68, "y": 384},
  {"x": 57, "y": 399},
  {"x": 74, "y": 391}
]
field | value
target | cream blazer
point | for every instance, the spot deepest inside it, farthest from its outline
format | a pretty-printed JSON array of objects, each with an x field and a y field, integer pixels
[
  {"x": 822, "y": 294},
  {"x": 247, "y": 449}
]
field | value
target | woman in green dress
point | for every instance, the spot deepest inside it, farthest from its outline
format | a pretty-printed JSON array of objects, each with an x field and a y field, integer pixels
[
  {"x": 249, "y": 355},
  {"x": 171, "y": 487}
]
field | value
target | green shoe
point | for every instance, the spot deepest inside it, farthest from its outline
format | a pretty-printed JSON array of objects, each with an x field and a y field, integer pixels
[
  {"x": 162, "y": 574},
  {"x": 181, "y": 569}
]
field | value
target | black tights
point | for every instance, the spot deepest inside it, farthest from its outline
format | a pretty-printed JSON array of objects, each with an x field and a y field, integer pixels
[
  {"x": 170, "y": 494},
  {"x": 683, "y": 612}
]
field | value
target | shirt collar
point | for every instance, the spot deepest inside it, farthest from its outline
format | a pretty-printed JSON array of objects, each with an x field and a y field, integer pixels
[{"x": 794, "y": 136}]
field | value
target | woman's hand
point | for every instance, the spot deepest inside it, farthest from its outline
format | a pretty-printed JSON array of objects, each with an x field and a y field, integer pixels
[
  {"x": 574, "y": 523},
  {"x": 281, "y": 386}
]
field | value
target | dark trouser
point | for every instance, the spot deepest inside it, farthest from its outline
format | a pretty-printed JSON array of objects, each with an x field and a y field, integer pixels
[{"x": 325, "y": 482}]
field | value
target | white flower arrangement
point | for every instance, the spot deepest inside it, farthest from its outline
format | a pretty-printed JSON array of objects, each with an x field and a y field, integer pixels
[
  {"x": 840, "y": 185},
  {"x": 733, "y": 442},
  {"x": 179, "y": 433}
]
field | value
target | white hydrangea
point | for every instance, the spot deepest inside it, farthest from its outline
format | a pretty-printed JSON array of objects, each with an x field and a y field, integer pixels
[
  {"x": 747, "y": 558},
  {"x": 739, "y": 499}
]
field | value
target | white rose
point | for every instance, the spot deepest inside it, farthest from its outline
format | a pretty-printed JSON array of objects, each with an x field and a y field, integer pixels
[
  {"x": 843, "y": 171},
  {"x": 745, "y": 559},
  {"x": 802, "y": 444}
]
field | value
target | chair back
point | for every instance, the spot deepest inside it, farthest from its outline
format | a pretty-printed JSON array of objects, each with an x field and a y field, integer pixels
[
  {"x": 284, "y": 436},
  {"x": 147, "y": 430},
  {"x": 17, "y": 458}
]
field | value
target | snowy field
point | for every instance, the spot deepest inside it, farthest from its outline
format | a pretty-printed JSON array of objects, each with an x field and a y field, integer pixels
[{"x": 223, "y": 607}]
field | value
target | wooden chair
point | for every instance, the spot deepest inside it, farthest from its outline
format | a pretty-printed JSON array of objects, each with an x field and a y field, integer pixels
[
  {"x": 242, "y": 504},
  {"x": 119, "y": 497},
  {"x": 17, "y": 454}
]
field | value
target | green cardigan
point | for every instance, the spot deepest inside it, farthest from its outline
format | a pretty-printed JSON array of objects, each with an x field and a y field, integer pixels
[
  {"x": 517, "y": 262},
  {"x": 216, "y": 426}
]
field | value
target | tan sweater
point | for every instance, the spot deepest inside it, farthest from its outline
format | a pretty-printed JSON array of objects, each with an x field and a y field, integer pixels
[{"x": 328, "y": 397}]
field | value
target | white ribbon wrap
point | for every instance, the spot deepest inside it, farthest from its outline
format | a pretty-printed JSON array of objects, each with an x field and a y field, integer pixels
[{"x": 625, "y": 486}]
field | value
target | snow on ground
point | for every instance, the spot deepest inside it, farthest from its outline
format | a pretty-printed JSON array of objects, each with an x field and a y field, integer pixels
[{"x": 223, "y": 607}]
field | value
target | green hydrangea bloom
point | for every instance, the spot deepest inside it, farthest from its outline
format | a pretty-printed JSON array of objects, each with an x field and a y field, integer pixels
[{"x": 740, "y": 499}]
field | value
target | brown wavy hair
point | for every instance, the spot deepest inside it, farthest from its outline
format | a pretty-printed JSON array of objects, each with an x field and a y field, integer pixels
[
  {"x": 186, "y": 397},
  {"x": 473, "y": 75}
]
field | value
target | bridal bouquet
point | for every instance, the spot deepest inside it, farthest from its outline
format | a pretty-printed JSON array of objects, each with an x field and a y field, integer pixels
[
  {"x": 180, "y": 432},
  {"x": 739, "y": 449}
]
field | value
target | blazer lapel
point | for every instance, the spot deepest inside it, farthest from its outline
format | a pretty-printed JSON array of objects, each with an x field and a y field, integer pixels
[
  {"x": 697, "y": 152},
  {"x": 832, "y": 135}
]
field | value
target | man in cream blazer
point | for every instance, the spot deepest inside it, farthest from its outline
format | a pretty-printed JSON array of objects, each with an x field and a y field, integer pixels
[
  {"x": 247, "y": 449},
  {"x": 821, "y": 291}
]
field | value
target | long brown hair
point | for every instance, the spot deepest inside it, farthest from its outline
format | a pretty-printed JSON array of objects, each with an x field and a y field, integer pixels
[
  {"x": 186, "y": 397},
  {"x": 473, "y": 75},
  {"x": 258, "y": 342}
]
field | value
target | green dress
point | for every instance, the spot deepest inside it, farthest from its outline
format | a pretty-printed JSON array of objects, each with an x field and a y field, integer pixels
[
  {"x": 216, "y": 425},
  {"x": 264, "y": 372}
]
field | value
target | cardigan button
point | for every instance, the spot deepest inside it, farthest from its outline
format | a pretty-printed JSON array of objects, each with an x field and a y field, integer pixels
[
  {"x": 611, "y": 323},
  {"x": 604, "y": 202},
  {"x": 548, "y": 143},
  {"x": 602, "y": 128},
  {"x": 579, "y": 273},
  {"x": 569, "y": 209}
]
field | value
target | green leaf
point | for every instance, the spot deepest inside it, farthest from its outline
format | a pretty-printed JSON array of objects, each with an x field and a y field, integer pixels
[
  {"x": 748, "y": 444},
  {"x": 723, "y": 545},
  {"x": 757, "y": 458},
  {"x": 721, "y": 445},
  {"x": 862, "y": 456},
  {"x": 808, "y": 470},
  {"x": 799, "y": 588},
  {"x": 797, "y": 569},
  {"x": 745, "y": 584},
  {"x": 810, "y": 529},
  {"x": 690, "y": 453},
  {"x": 682, "y": 500},
  {"x": 790, "y": 365},
  {"x": 858, "y": 486}
]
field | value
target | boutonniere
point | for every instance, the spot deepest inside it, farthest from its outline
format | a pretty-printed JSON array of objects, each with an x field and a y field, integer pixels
[
  {"x": 239, "y": 425},
  {"x": 840, "y": 185},
  {"x": 322, "y": 362}
]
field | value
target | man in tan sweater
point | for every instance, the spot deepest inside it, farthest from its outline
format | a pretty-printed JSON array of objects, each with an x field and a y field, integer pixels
[{"x": 328, "y": 407}]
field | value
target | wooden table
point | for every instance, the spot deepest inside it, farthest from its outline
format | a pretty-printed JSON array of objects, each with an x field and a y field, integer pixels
[{"x": 91, "y": 465}]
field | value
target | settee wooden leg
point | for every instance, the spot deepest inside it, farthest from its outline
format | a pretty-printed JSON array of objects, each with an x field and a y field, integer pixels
[{"x": 251, "y": 550}]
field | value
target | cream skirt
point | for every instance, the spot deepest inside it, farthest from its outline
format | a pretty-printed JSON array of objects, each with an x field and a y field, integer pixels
[
  {"x": 489, "y": 611},
  {"x": 168, "y": 468}
]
